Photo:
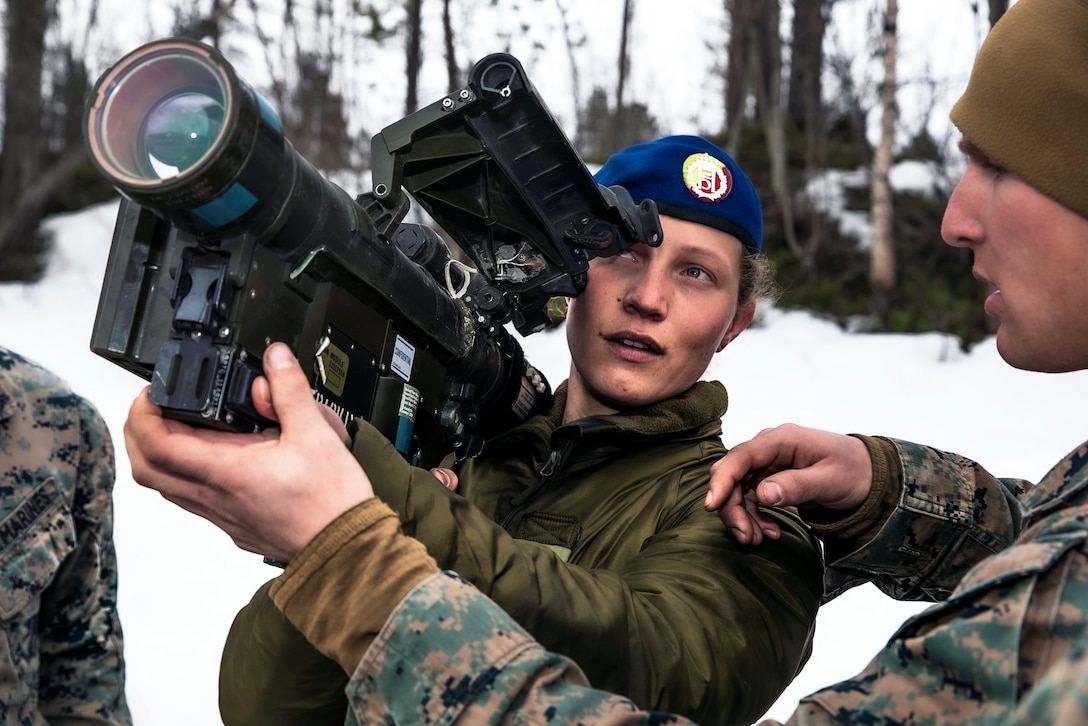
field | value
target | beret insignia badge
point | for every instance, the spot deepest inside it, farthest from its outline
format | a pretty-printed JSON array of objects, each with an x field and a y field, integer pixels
[{"x": 707, "y": 178}]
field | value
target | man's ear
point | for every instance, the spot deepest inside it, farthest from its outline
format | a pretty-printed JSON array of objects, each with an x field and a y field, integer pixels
[{"x": 741, "y": 321}]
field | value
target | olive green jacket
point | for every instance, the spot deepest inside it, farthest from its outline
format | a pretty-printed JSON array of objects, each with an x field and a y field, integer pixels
[{"x": 593, "y": 536}]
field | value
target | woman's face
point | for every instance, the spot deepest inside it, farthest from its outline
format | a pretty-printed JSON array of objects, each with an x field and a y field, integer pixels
[{"x": 650, "y": 319}]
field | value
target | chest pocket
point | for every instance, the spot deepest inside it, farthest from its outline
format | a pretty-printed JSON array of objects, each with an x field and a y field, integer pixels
[
  {"x": 34, "y": 540},
  {"x": 557, "y": 532}
]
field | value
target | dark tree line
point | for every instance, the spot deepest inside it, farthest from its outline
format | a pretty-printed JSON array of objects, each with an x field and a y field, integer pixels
[{"x": 778, "y": 119}]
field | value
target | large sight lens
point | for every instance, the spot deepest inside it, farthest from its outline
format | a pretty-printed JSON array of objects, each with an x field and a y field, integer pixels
[
  {"x": 173, "y": 127},
  {"x": 178, "y": 132},
  {"x": 158, "y": 114}
]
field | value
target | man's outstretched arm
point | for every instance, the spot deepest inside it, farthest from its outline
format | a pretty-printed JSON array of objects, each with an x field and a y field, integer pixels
[{"x": 435, "y": 653}]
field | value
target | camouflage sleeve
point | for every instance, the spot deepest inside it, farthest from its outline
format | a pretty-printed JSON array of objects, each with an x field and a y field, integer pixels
[
  {"x": 82, "y": 664},
  {"x": 950, "y": 514},
  {"x": 1009, "y": 644},
  {"x": 448, "y": 652}
]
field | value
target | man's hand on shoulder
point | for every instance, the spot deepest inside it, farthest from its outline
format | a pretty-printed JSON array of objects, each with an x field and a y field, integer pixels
[{"x": 788, "y": 465}]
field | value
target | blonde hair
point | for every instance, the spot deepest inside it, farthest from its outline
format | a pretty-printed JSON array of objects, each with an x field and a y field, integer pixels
[{"x": 757, "y": 281}]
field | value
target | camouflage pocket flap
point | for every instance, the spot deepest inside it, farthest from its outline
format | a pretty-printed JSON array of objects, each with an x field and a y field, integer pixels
[
  {"x": 992, "y": 578},
  {"x": 1018, "y": 561},
  {"x": 34, "y": 540}
]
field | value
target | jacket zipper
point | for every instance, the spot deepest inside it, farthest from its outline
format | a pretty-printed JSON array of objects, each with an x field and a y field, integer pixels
[{"x": 569, "y": 435}]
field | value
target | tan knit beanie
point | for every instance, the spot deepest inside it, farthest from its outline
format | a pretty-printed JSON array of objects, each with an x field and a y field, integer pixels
[{"x": 1026, "y": 103}]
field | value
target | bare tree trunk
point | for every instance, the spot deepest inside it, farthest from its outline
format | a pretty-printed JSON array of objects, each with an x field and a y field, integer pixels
[
  {"x": 738, "y": 72},
  {"x": 805, "y": 102},
  {"x": 413, "y": 50},
  {"x": 278, "y": 86},
  {"x": 317, "y": 125},
  {"x": 768, "y": 69},
  {"x": 997, "y": 9},
  {"x": 575, "y": 81},
  {"x": 23, "y": 155},
  {"x": 882, "y": 264},
  {"x": 619, "y": 136},
  {"x": 208, "y": 27},
  {"x": 453, "y": 73},
  {"x": 27, "y": 208},
  {"x": 806, "y": 69}
]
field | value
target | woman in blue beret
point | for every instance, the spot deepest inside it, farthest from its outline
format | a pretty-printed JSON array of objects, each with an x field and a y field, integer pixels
[{"x": 587, "y": 523}]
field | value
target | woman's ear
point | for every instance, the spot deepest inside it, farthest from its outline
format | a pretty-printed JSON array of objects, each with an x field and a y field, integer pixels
[{"x": 741, "y": 321}]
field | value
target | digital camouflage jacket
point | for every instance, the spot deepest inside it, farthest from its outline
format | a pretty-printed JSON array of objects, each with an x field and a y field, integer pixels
[
  {"x": 60, "y": 638},
  {"x": 1007, "y": 644},
  {"x": 594, "y": 536}
]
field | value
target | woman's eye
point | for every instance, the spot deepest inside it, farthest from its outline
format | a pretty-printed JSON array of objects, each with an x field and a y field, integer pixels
[{"x": 697, "y": 273}]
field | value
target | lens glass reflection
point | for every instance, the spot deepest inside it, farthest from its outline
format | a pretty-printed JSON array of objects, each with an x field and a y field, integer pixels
[{"x": 179, "y": 131}]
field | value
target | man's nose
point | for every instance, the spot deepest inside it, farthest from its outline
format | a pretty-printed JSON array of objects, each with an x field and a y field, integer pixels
[{"x": 961, "y": 226}]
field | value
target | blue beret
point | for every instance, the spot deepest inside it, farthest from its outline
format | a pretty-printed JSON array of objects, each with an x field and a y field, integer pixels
[{"x": 690, "y": 179}]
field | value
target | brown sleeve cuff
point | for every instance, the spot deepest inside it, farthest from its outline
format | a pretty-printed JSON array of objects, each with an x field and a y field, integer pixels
[
  {"x": 345, "y": 584},
  {"x": 863, "y": 523}
]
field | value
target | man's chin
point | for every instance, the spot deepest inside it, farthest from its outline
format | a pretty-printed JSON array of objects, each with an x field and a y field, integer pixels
[
  {"x": 1011, "y": 353},
  {"x": 1027, "y": 357}
]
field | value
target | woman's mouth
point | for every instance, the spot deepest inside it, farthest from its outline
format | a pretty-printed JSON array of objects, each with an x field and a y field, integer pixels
[{"x": 634, "y": 347}]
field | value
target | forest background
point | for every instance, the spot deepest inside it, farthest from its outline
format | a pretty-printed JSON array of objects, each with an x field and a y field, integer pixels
[{"x": 815, "y": 98}]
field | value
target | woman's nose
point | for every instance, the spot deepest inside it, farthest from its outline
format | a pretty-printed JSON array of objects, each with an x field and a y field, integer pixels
[{"x": 648, "y": 294}]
